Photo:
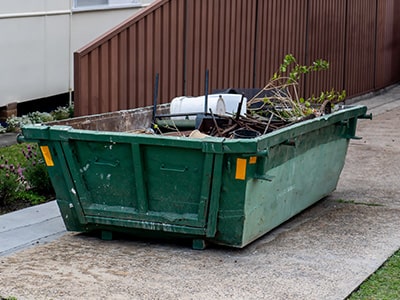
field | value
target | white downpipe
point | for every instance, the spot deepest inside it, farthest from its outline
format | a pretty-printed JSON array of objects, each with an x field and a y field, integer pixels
[{"x": 70, "y": 56}]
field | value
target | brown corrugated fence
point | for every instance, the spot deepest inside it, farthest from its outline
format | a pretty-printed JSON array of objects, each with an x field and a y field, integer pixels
[{"x": 241, "y": 43}]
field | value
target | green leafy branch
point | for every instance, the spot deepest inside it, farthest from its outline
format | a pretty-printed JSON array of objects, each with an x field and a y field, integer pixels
[{"x": 283, "y": 100}]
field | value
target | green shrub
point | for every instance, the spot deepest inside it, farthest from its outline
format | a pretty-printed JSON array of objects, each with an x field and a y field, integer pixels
[
  {"x": 31, "y": 197},
  {"x": 23, "y": 173},
  {"x": 15, "y": 123},
  {"x": 9, "y": 186},
  {"x": 37, "y": 176},
  {"x": 23, "y": 176},
  {"x": 40, "y": 117},
  {"x": 35, "y": 172},
  {"x": 64, "y": 112}
]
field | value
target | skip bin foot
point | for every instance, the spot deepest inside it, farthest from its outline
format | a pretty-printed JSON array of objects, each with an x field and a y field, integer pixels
[
  {"x": 106, "y": 235},
  {"x": 199, "y": 244}
]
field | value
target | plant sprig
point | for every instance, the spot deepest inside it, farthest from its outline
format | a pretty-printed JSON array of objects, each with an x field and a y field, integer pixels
[{"x": 284, "y": 101}]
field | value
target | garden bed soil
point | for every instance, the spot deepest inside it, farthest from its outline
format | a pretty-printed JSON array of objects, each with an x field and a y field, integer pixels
[{"x": 14, "y": 206}]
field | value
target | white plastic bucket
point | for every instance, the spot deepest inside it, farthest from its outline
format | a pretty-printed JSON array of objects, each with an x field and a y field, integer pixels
[{"x": 183, "y": 105}]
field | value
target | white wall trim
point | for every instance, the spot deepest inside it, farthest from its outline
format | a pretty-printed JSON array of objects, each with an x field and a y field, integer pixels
[
  {"x": 107, "y": 7},
  {"x": 67, "y": 12},
  {"x": 35, "y": 14}
]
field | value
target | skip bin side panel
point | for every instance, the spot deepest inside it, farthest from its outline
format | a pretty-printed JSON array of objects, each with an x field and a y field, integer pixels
[
  {"x": 300, "y": 175},
  {"x": 104, "y": 176},
  {"x": 260, "y": 191},
  {"x": 109, "y": 170},
  {"x": 175, "y": 179}
]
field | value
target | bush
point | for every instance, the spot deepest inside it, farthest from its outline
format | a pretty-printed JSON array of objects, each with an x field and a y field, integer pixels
[
  {"x": 23, "y": 173},
  {"x": 64, "y": 112},
  {"x": 35, "y": 172},
  {"x": 23, "y": 176},
  {"x": 40, "y": 117},
  {"x": 15, "y": 123},
  {"x": 9, "y": 186},
  {"x": 3, "y": 129}
]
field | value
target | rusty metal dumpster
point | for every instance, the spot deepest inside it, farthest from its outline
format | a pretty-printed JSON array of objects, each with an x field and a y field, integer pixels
[{"x": 224, "y": 191}]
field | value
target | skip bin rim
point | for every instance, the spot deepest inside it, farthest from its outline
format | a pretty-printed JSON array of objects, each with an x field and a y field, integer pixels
[{"x": 209, "y": 144}]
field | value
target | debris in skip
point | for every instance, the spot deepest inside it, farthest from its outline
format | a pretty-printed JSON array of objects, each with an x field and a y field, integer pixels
[{"x": 249, "y": 113}]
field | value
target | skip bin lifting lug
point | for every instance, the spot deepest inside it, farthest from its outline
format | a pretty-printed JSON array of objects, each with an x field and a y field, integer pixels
[
  {"x": 264, "y": 177},
  {"x": 353, "y": 137},
  {"x": 366, "y": 116}
]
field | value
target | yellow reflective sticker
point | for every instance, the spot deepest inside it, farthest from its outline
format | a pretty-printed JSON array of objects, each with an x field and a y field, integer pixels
[
  {"x": 241, "y": 164},
  {"x": 47, "y": 156},
  {"x": 253, "y": 160}
]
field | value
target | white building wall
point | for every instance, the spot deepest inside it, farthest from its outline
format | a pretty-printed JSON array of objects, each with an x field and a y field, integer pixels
[{"x": 38, "y": 38}]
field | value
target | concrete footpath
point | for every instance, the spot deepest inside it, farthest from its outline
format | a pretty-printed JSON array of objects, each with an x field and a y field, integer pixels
[
  {"x": 7, "y": 139},
  {"x": 30, "y": 226},
  {"x": 325, "y": 252}
]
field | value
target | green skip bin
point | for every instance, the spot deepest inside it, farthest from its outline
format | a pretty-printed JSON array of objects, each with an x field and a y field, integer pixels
[{"x": 108, "y": 176}]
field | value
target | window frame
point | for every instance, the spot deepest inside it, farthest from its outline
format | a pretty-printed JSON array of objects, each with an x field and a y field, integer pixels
[{"x": 115, "y": 4}]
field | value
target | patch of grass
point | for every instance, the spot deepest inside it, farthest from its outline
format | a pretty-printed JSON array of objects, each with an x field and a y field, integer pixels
[
  {"x": 13, "y": 153},
  {"x": 383, "y": 284}
]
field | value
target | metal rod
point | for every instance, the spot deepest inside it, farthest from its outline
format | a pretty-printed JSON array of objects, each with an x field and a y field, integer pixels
[
  {"x": 239, "y": 108},
  {"x": 155, "y": 96},
  {"x": 206, "y": 93}
]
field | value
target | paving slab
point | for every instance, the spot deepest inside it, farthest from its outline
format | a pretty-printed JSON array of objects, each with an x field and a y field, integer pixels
[
  {"x": 7, "y": 139},
  {"x": 30, "y": 226},
  {"x": 325, "y": 252}
]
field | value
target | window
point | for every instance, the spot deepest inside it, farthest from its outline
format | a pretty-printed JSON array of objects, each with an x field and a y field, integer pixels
[
  {"x": 102, "y": 4},
  {"x": 82, "y": 3}
]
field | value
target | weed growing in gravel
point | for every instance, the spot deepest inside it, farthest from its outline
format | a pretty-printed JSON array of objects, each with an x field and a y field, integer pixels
[{"x": 358, "y": 203}]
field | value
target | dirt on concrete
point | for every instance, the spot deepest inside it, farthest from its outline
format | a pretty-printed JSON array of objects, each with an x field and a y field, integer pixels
[{"x": 323, "y": 253}]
